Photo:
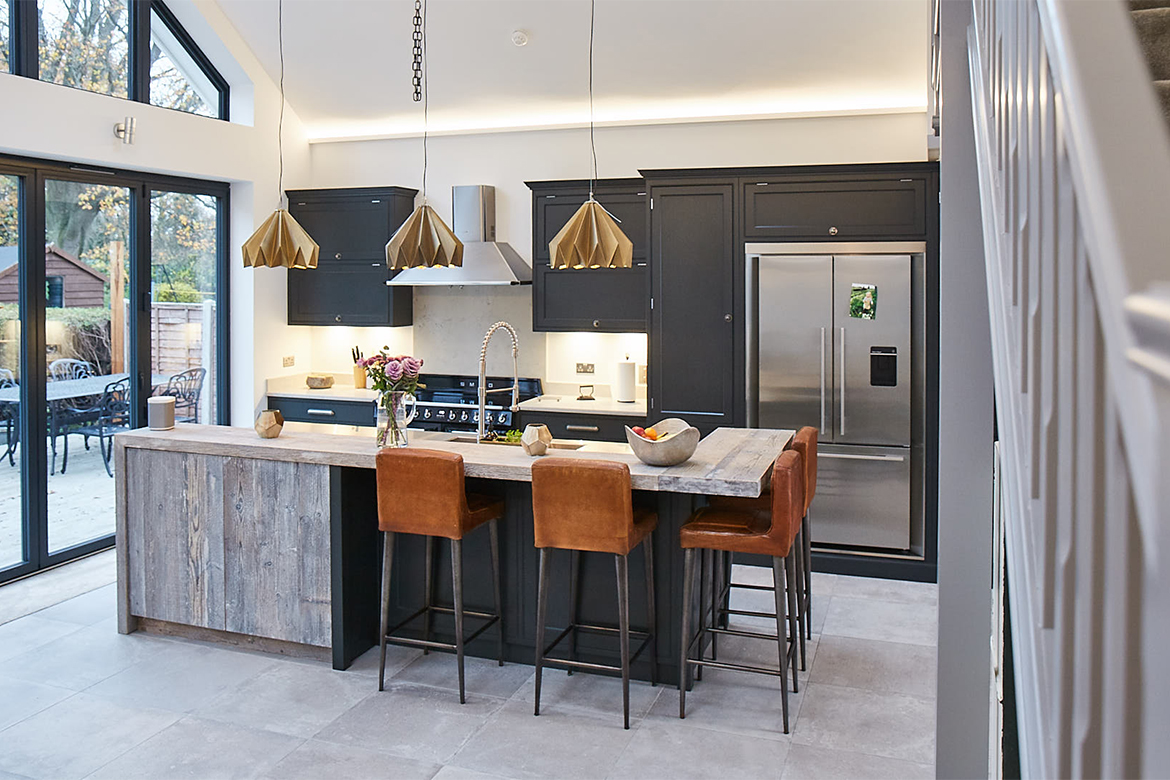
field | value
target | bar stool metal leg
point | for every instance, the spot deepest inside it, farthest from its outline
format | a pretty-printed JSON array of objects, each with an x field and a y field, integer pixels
[
  {"x": 798, "y": 580},
  {"x": 494, "y": 531},
  {"x": 685, "y": 643},
  {"x": 790, "y": 578},
  {"x": 429, "y": 590},
  {"x": 704, "y": 558},
  {"x": 457, "y": 582},
  {"x": 805, "y": 532},
  {"x": 781, "y": 643},
  {"x": 648, "y": 551},
  {"x": 541, "y": 611},
  {"x": 387, "y": 560},
  {"x": 574, "y": 601},
  {"x": 623, "y": 585}
]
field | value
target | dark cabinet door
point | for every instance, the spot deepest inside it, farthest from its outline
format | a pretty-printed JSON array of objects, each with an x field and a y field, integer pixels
[
  {"x": 348, "y": 286},
  {"x": 601, "y": 299},
  {"x": 836, "y": 208},
  {"x": 693, "y": 346}
]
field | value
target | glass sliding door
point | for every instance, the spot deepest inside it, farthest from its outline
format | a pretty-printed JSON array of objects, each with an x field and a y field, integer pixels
[
  {"x": 184, "y": 287},
  {"x": 13, "y": 544},
  {"x": 87, "y": 234}
]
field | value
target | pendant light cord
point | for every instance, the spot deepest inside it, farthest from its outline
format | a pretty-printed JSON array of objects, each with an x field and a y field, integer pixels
[
  {"x": 426, "y": 100},
  {"x": 280, "y": 123},
  {"x": 592, "y": 144}
]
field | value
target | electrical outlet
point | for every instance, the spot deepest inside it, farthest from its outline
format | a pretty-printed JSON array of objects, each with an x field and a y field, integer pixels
[
  {"x": 642, "y": 374},
  {"x": 289, "y": 361},
  {"x": 584, "y": 368}
]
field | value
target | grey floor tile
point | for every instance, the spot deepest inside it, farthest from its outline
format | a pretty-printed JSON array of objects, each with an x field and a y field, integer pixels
[
  {"x": 595, "y": 693},
  {"x": 824, "y": 583},
  {"x": 200, "y": 750},
  {"x": 727, "y": 704},
  {"x": 315, "y": 760},
  {"x": 27, "y": 633},
  {"x": 811, "y": 763},
  {"x": 886, "y": 621},
  {"x": 86, "y": 609},
  {"x": 876, "y": 666},
  {"x": 397, "y": 658},
  {"x": 751, "y": 575},
  {"x": 757, "y": 652},
  {"x": 10, "y": 776},
  {"x": 450, "y": 772},
  {"x": 183, "y": 677},
  {"x": 886, "y": 590},
  {"x": 481, "y": 675},
  {"x": 882, "y": 724},
  {"x": 561, "y": 743},
  {"x": 681, "y": 751},
  {"x": 413, "y": 721},
  {"x": 85, "y": 657},
  {"x": 19, "y": 699},
  {"x": 77, "y": 736},
  {"x": 31, "y": 594},
  {"x": 291, "y": 698}
]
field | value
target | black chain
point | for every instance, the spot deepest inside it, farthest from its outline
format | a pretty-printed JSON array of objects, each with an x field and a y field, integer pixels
[{"x": 418, "y": 51}]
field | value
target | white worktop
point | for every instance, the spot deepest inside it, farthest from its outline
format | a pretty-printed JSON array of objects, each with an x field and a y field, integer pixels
[{"x": 343, "y": 390}]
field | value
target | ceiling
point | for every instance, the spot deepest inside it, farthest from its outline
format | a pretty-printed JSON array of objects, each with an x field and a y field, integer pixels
[{"x": 348, "y": 62}]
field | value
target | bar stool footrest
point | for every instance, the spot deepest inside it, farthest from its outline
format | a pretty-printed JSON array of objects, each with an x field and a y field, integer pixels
[{"x": 646, "y": 637}]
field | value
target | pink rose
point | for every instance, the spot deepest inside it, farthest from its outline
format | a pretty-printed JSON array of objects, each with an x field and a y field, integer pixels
[
  {"x": 411, "y": 366},
  {"x": 393, "y": 370}
]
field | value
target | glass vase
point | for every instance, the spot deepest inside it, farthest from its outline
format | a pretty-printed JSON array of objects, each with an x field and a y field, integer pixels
[{"x": 395, "y": 412}]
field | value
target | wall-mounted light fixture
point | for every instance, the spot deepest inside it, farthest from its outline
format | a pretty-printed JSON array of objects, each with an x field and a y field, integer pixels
[{"x": 125, "y": 129}]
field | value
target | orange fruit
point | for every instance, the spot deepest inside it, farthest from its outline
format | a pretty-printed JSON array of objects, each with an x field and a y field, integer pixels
[{"x": 651, "y": 434}]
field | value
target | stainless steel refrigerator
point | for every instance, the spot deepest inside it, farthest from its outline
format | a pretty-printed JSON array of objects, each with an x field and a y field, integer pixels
[{"x": 830, "y": 344}]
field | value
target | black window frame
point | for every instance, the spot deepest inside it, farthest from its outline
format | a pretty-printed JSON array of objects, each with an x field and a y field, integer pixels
[{"x": 24, "y": 55}]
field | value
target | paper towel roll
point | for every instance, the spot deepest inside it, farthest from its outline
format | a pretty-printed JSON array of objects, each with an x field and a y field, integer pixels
[{"x": 623, "y": 386}]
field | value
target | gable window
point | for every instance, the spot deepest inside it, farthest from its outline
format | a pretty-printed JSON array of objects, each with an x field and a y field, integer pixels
[
  {"x": 134, "y": 49},
  {"x": 55, "y": 291}
]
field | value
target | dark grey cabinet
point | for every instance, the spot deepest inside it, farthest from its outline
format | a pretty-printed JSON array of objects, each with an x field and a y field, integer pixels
[
  {"x": 600, "y": 299},
  {"x": 695, "y": 356},
  {"x": 593, "y": 427},
  {"x": 828, "y": 207},
  {"x": 325, "y": 410},
  {"x": 348, "y": 286}
]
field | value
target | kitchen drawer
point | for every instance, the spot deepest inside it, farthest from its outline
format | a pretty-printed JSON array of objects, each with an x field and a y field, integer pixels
[
  {"x": 593, "y": 427},
  {"x": 835, "y": 209},
  {"x": 326, "y": 410}
]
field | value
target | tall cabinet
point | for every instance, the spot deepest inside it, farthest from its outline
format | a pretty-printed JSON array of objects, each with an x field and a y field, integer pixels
[{"x": 695, "y": 357}]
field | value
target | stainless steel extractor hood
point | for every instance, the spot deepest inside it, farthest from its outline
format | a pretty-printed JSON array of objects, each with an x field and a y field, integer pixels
[{"x": 485, "y": 260}]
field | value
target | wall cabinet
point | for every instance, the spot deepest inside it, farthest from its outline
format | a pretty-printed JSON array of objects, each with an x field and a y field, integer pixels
[
  {"x": 348, "y": 286},
  {"x": 841, "y": 207},
  {"x": 600, "y": 299},
  {"x": 695, "y": 356}
]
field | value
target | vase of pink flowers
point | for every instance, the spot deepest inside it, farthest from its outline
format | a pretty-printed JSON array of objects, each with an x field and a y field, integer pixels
[{"x": 395, "y": 377}]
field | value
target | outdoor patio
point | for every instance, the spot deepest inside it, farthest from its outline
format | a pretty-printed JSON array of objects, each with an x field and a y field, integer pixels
[{"x": 81, "y": 501}]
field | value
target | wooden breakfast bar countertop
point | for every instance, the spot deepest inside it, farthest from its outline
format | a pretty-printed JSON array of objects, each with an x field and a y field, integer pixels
[{"x": 274, "y": 544}]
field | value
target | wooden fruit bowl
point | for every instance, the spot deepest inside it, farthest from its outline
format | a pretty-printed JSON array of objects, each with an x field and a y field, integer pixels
[{"x": 676, "y": 444}]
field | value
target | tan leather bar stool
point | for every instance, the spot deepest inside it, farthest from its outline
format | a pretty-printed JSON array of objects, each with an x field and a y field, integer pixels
[
  {"x": 423, "y": 492},
  {"x": 804, "y": 442},
  {"x": 587, "y": 506},
  {"x": 753, "y": 531}
]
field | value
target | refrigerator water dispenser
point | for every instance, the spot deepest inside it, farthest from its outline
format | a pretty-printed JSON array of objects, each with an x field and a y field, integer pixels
[{"x": 883, "y": 366}]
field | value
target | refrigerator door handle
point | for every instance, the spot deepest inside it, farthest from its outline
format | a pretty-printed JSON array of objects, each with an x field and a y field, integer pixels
[
  {"x": 822, "y": 431},
  {"x": 842, "y": 381},
  {"x": 841, "y": 456}
]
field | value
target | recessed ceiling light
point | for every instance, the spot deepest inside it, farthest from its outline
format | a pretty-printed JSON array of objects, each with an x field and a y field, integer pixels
[{"x": 519, "y": 37}]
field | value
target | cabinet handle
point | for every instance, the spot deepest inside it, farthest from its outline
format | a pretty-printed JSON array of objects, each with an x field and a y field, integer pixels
[
  {"x": 727, "y": 318},
  {"x": 337, "y": 256},
  {"x": 337, "y": 318},
  {"x": 833, "y": 231},
  {"x": 583, "y": 428},
  {"x": 374, "y": 265},
  {"x": 597, "y": 323},
  {"x": 321, "y": 412}
]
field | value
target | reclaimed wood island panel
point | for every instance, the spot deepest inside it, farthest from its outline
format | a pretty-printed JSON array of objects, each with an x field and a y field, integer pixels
[{"x": 274, "y": 543}]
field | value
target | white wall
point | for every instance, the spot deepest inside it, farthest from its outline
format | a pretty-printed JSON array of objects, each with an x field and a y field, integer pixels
[
  {"x": 59, "y": 123},
  {"x": 449, "y": 326}
]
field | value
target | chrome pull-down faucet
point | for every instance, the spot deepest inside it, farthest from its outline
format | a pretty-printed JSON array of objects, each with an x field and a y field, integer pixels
[{"x": 483, "y": 391}]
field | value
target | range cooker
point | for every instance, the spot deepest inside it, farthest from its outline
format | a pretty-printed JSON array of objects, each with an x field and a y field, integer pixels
[{"x": 450, "y": 402}]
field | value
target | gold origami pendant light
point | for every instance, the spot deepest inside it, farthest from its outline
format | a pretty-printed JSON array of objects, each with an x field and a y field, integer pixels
[
  {"x": 423, "y": 240},
  {"x": 281, "y": 241},
  {"x": 591, "y": 238}
]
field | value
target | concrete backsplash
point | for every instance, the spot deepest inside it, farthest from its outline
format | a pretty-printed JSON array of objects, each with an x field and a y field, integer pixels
[{"x": 449, "y": 324}]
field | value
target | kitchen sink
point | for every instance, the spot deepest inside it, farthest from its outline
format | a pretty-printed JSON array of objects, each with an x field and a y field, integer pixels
[{"x": 556, "y": 445}]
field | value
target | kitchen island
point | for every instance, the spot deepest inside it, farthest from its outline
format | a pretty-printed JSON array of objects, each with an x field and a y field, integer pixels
[{"x": 274, "y": 543}]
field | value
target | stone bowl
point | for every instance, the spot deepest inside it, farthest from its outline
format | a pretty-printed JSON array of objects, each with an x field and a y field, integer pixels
[{"x": 677, "y": 445}]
